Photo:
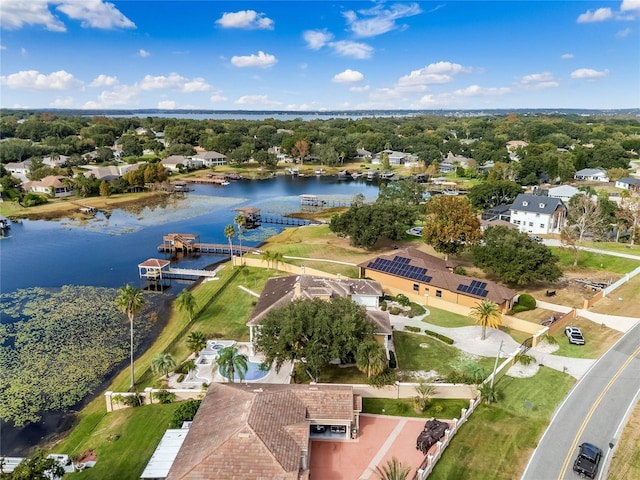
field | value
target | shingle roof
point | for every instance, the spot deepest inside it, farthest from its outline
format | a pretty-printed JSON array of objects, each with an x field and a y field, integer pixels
[
  {"x": 257, "y": 431},
  {"x": 535, "y": 203},
  {"x": 630, "y": 181},
  {"x": 590, "y": 171}
]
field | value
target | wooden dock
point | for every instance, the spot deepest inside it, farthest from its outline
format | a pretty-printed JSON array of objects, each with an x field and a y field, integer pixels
[{"x": 214, "y": 248}]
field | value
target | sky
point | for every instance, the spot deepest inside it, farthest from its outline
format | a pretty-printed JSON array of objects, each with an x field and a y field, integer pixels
[{"x": 319, "y": 55}]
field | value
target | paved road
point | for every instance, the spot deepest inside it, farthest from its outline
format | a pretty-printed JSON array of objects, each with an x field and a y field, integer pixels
[{"x": 593, "y": 412}]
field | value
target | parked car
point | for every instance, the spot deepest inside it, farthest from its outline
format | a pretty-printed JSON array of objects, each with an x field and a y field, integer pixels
[
  {"x": 588, "y": 460},
  {"x": 574, "y": 334},
  {"x": 535, "y": 238}
]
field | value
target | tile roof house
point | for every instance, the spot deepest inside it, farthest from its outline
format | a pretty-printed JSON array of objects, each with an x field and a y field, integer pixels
[
  {"x": 417, "y": 273},
  {"x": 263, "y": 431},
  {"x": 538, "y": 214},
  {"x": 50, "y": 185},
  {"x": 280, "y": 291},
  {"x": 591, "y": 174}
]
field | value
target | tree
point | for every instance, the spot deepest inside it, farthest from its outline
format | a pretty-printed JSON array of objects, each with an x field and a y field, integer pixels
[
  {"x": 37, "y": 467},
  {"x": 130, "y": 301},
  {"x": 276, "y": 258},
  {"x": 630, "y": 207},
  {"x": 313, "y": 332},
  {"x": 231, "y": 361},
  {"x": 187, "y": 302},
  {"x": 568, "y": 239},
  {"x": 424, "y": 392},
  {"x": 196, "y": 341},
  {"x": 163, "y": 363},
  {"x": 402, "y": 191},
  {"x": 105, "y": 190},
  {"x": 229, "y": 232},
  {"x": 514, "y": 257},
  {"x": 486, "y": 314},
  {"x": 491, "y": 194},
  {"x": 267, "y": 256},
  {"x": 450, "y": 226},
  {"x": 393, "y": 470},
  {"x": 371, "y": 358},
  {"x": 300, "y": 150},
  {"x": 585, "y": 217},
  {"x": 240, "y": 222}
]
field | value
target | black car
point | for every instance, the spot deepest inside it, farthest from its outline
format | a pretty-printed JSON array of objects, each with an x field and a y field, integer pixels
[{"x": 588, "y": 460}]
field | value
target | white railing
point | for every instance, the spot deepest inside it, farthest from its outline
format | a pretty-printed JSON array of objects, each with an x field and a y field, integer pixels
[{"x": 622, "y": 281}]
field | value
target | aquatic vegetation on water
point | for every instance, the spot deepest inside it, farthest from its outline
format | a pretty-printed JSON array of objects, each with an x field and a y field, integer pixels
[{"x": 58, "y": 345}]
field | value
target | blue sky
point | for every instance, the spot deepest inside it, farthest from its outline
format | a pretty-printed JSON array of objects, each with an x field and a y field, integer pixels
[{"x": 319, "y": 55}]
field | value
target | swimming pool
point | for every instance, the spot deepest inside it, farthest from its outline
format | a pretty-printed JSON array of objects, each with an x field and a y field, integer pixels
[{"x": 253, "y": 372}]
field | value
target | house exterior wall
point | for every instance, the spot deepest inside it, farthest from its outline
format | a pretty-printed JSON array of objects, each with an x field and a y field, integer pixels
[{"x": 530, "y": 222}]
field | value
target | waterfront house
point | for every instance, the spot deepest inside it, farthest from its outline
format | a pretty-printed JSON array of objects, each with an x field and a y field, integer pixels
[
  {"x": 362, "y": 154},
  {"x": 395, "y": 158},
  {"x": 208, "y": 159},
  {"x": 110, "y": 172},
  {"x": 591, "y": 174},
  {"x": 420, "y": 276},
  {"x": 51, "y": 185},
  {"x": 172, "y": 162},
  {"x": 538, "y": 214},
  {"x": 264, "y": 431}
]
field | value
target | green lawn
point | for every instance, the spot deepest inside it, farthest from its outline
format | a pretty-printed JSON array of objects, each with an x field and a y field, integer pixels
[
  {"x": 595, "y": 261},
  {"x": 123, "y": 441},
  {"x": 444, "y": 318},
  {"x": 403, "y": 407},
  {"x": 498, "y": 439},
  {"x": 597, "y": 338},
  {"x": 614, "y": 247}
]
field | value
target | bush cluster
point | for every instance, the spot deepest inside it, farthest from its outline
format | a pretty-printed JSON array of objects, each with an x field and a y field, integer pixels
[{"x": 443, "y": 338}]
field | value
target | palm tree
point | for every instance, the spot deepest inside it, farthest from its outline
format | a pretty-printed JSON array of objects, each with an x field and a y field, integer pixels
[
  {"x": 486, "y": 314},
  {"x": 240, "y": 221},
  {"x": 130, "y": 301},
  {"x": 196, "y": 341},
  {"x": 267, "y": 256},
  {"x": 231, "y": 361},
  {"x": 424, "y": 393},
  {"x": 229, "y": 232},
  {"x": 276, "y": 258},
  {"x": 186, "y": 301},
  {"x": 371, "y": 358},
  {"x": 163, "y": 363},
  {"x": 393, "y": 470}
]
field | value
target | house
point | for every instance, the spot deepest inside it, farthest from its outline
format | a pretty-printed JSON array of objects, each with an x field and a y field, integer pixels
[
  {"x": 499, "y": 212},
  {"x": 538, "y": 214},
  {"x": 19, "y": 170},
  {"x": 362, "y": 154},
  {"x": 172, "y": 162},
  {"x": 563, "y": 192},
  {"x": 208, "y": 159},
  {"x": 420, "y": 275},
  {"x": 395, "y": 158},
  {"x": 628, "y": 183},
  {"x": 496, "y": 222},
  {"x": 591, "y": 174},
  {"x": 263, "y": 431},
  {"x": 55, "y": 161},
  {"x": 110, "y": 172},
  {"x": 280, "y": 291},
  {"x": 50, "y": 185}
]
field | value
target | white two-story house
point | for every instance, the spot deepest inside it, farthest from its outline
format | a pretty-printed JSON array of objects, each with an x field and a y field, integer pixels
[{"x": 537, "y": 214}]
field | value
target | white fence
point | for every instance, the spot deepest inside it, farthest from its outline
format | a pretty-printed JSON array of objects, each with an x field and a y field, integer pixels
[{"x": 622, "y": 281}]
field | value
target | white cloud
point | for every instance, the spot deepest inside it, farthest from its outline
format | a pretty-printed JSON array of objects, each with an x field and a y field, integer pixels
[
  {"x": 261, "y": 100},
  {"x": 624, "y": 33},
  {"x": 143, "y": 53},
  {"x": 104, "y": 81},
  {"x": 262, "y": 60},
  {"x": 537, "y": 77},
  {"x": 62, "y": 103},
  {"x": 302, "y": 107},
  {"x": 217, "y": 98},
  {"x": 599, "y": 15},
  {"x": 33, "y": 79},
  {"x": 362, "y": 89},
  {"x": 174, "y": 81},
  {"x": 348, "y": 76},
  {"x": 567, "y": 56},
  {"x": 17, "y": 14},
  {"x": 434, "y": 73},
  {"x": 249, "y": 19},
  {"x": 316, "y": 39},
  {"x": 120, "y": 95},
  {"x": 347, "y": 48},
  {"x": 167, "y": 104},
  {"x": 589, "y": 73},
  {"x": 24, "y": 52},
  {"x": 629, "y": 5},
  {"x": 477, "y": 90},
  {"x": 2, "y": 47},
  {"x": 379, "y": 20},
  {"x": 95, "y": 14}
]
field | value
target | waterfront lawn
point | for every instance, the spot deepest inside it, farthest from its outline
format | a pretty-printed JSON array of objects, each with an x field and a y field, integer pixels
[
  {"x": 597, "y": 340},
  {"x": 595, "y": 261},
  {"x": 498, "y": 439},
  {"x": 403, "y": 407},
  {"x": 123, "y": 441}
]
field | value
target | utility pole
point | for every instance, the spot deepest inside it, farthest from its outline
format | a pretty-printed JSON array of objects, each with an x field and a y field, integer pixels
[{"x": 495, "y": 366}]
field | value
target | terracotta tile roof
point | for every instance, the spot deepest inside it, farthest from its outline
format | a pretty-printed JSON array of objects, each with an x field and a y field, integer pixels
[
  {"x": 155, "y": 263},
  {"x": 259, "y": 431}
]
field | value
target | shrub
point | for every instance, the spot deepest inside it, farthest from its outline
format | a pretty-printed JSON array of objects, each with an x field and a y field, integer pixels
[
  {"x": 180, "y": 378},
  {"x": 527, "y": 301},
  {"x": 525, "y": 359},
  {"x": 385, "y": 378},
  {"x": 411, "y": 328},
  {"x": 164, "y": 396},
  {"x": 383, "y": 306},
  {"x": 134, "y": 400},
  {"x": 442, "y": 338},
  {"x": 395, "y": 310},
  {"x": 185, "y": 367},
  {"x": 416, "y": 309},
  {"x": 393, "y": 363},
  {"x": 185, "y": 413},
  {"x": 403, "y": 300},
  {"x": 460, "y": 271},
  {"x": 550, "y": 339}
]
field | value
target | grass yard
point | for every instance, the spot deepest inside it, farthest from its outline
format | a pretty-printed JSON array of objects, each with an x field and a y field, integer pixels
[
  {"x": 597, "y": 338},
  {"x": 625, "y": 463},
  {"x": 403, "y": 407},
  {"x": 444, "y": 318},
  {"x": 437, "y": 356},
  {"x": 123, "y": 441},
  {"x": 623, "y": 300},
  {"x": 498, "y": 439},
  {"x": 595, "y": 262},
  {"x": 614, "y": 247}
]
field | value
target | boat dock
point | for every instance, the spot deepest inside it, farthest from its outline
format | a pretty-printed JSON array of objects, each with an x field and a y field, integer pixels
[
  {"x": 308, "y": 200},
  {"x": 190, "y": 243}
]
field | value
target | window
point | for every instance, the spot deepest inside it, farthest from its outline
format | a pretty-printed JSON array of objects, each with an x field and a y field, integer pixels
[
  {"x": 426, "y": 289},
  {"x": 531, "y": 224},
  {"x": 541, "y": 205},
  {"x": 438, "y": 293},
  {"x": 537, "y": 214},
  {"x": 416, "y": 287},
  {"x": 542, "y": 225},
  {"x": 517, "y": 222},
  {"x": 525, "y": 203}
]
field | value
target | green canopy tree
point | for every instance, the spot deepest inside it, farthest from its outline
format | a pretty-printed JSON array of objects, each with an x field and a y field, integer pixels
[
  {"x": 231, "y": 361},
  {"x": 196, "y": 341},
  {"x": 163, "y": 363},
  {"x": 37, "y": 467},
  {"x": 229, "y": 232},
  {"x": 130, "y": 300},
  {"x": 515, "y": 258},
  {"x": 491, "y": 194},
  {"x": 486, "y": 314},
  {"x": 185, "y": 301},
  {"x": 313, "y": 332}
]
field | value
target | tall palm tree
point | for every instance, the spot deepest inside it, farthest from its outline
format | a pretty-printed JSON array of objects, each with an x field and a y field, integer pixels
[
  {"x": 231, "y": 361},
  {"x": 230, "y": 232},
  {"x": 186, "y": 301},
  {"x": 196, "y": 341},
  {"x": 371, "y": 358},
  {"x": 486, "y": 314},
  {"x": 393, "y": 470},
  {"x": 276, "y": 258},
  {"x": 163, "y": 363},
  {"x": 130, "y": 301},
  {"x": 267, "y": 256},
  {"x": 240, "y": 221}
]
